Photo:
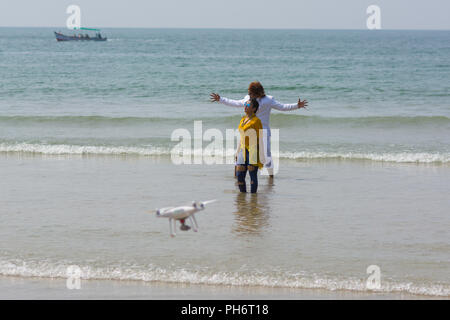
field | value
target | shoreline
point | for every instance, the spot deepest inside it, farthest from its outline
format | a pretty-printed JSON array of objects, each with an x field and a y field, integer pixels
[
  {"x": 37, "y": 288},
  {"x": 166, "y": 157}
]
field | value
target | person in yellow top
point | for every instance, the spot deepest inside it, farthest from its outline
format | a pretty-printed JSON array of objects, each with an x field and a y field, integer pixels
[{"x": 250, "y": 154}]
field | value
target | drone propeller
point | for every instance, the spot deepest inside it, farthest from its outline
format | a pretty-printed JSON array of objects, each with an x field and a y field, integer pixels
[
  {"x": 159, "y": 211},
  {"x": 204, "y": 203}
]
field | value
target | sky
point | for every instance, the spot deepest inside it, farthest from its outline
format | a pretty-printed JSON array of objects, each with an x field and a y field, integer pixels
[{"x": 253, "y": 14}]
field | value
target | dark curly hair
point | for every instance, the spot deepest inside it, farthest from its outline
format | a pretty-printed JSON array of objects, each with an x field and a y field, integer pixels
[{"x": 256, "y": 89}]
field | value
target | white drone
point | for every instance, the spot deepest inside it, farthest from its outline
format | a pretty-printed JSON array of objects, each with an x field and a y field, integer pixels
[{"x": 181, "y": 214}]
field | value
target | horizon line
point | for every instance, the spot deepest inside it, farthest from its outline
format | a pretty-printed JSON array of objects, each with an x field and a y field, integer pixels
[{"x": 232, "y": 28}]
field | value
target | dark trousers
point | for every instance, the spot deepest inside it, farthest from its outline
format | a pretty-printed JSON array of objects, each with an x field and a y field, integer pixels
[{"x": 241, "y": 172}]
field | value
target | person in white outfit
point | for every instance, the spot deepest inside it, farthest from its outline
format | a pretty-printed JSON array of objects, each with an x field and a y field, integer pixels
[{"x": 266, "y": 104}]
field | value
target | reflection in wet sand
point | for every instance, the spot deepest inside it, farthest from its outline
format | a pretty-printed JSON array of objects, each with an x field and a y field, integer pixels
[{"x": 252, "y": 212}]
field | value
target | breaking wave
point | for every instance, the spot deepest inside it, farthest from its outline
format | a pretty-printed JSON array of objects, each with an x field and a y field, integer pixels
[
  {"x": 66, "y": 149},
  {"x": 276, "y": 120},
  {"x": 152, "y": 273}
]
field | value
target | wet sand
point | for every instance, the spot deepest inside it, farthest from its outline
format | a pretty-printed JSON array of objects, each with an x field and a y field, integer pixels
[{"x": 50, "y": 289}]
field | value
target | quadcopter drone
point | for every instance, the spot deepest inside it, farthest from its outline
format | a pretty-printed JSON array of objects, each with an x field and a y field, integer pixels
[{"x": 181, "y": 214}]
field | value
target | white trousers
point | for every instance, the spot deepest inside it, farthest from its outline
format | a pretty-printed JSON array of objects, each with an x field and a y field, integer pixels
[{"x": 267, "y": 150}]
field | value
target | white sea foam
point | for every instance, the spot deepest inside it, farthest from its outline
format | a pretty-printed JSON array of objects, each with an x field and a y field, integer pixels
[
  {"x": 61, "y": 149},
  {"x": 152, "y": 274},
  {"x": 64, "y": 149},
  {"x": 418, "y": 157}
]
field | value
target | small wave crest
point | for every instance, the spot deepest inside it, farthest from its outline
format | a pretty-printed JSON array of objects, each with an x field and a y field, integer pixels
[
  {"x": 64, "y": 149},
  {"x": 278, "y": 120},
  {"x": 152, "y": 273},
  {"x": 420, "y": 157}
]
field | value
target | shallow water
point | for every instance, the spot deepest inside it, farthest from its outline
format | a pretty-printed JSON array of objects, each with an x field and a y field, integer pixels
[
  {"x": 320, "y": 225},
  {"x": 381, "y": 96}
]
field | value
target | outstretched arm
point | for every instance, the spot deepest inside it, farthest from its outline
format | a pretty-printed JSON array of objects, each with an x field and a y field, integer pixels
[
  {"x": 288, "y": 107},
  {"x": 228, "y": 102}
]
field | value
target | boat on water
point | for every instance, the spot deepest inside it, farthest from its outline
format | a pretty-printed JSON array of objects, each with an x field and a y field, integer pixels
[{"x": 80, "y": 37}]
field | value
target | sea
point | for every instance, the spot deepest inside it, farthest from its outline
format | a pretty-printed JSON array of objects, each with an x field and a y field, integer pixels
[{"x": 87, "y": 133}]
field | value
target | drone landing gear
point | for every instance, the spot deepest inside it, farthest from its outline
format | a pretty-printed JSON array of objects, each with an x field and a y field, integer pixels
[{"x": 184, "y": 227}]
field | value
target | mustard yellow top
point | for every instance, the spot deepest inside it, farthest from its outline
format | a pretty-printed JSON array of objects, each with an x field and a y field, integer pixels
[{"x": 251, "y": 139}]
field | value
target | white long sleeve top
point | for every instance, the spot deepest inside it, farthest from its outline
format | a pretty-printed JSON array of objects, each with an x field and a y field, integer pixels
[{"x": 266, "y": 104}]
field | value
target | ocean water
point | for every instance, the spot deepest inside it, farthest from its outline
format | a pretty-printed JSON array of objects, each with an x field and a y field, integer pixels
[{"x": 85, "y": 142}]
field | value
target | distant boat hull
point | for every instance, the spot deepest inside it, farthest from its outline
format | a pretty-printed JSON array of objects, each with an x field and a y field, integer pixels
[{"x": 62, "y": 37}]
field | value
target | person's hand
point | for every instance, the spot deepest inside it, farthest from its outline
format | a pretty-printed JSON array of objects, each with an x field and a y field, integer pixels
[
  {"x": 302, "y": 104},
  {"x": 214, "y": 97}
]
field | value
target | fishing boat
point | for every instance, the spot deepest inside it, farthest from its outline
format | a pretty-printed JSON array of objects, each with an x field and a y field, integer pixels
[{"x": 80, "y": 37}]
